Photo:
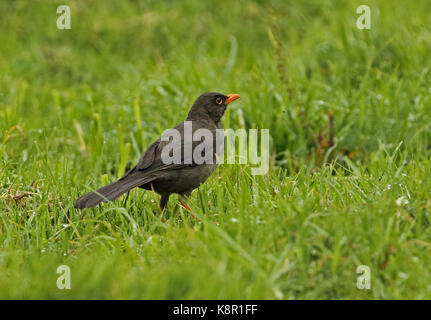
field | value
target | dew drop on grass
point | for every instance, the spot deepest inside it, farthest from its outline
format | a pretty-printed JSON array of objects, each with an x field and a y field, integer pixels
[
  {"x": 259, "y": 220},
  {"x": 401, "y": 201},
  {"x": 403, "y": 275}
]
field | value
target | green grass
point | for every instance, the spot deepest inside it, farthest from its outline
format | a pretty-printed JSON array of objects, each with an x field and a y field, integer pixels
[{"x": 79, "y": 106}]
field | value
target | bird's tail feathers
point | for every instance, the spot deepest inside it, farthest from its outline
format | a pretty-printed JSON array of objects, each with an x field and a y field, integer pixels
[{"x": 111, "y": 191}]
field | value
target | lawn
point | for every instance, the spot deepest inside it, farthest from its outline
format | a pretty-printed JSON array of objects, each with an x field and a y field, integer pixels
[{"x": 349, "y": 117}]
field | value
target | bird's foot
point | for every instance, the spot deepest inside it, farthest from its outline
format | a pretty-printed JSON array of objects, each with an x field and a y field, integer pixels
[{"x": 187, "y": 207}]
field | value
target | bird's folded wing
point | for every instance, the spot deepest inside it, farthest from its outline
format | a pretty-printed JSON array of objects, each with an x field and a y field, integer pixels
[{"x": 153, "y": 160}]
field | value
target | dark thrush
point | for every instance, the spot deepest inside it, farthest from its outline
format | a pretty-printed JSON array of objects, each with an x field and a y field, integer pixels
[{"x": 153, "y": 172}]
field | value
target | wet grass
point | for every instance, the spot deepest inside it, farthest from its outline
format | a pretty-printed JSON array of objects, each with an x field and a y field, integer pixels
[{"x": 349, "y": 117}]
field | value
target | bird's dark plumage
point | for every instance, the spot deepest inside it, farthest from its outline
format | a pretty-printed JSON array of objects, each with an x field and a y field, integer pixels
[{"x": 151, "y": 173}]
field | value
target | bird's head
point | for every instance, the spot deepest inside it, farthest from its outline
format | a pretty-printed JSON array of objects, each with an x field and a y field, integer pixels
[{"x": 211, "y": 105}]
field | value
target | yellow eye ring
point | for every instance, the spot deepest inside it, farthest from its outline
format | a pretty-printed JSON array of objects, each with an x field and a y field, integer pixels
[{"x": 219, "y": 100}]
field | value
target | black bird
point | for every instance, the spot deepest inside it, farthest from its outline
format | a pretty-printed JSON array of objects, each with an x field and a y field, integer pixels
[{"x": 151, "y": 173}]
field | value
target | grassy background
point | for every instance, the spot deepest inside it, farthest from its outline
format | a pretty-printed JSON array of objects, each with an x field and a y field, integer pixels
[{"x": 78, "y": 106}]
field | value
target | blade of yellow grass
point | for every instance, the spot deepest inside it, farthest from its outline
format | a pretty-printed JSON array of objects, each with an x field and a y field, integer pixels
[{"x": 82, "y": 146}]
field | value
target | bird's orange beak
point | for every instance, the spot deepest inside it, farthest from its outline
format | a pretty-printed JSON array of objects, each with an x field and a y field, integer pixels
[{"x": 231, "y": 97}]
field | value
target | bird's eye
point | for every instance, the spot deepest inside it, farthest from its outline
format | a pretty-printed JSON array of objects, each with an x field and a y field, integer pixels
[{"x": 219, "y": 100}]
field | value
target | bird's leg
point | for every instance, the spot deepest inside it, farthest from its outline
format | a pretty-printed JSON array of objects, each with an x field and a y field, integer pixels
[
  {"x": 163, "y": 201},
  {"x": 183, "y": 201},
  {"x": 185, "y": 205}
]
